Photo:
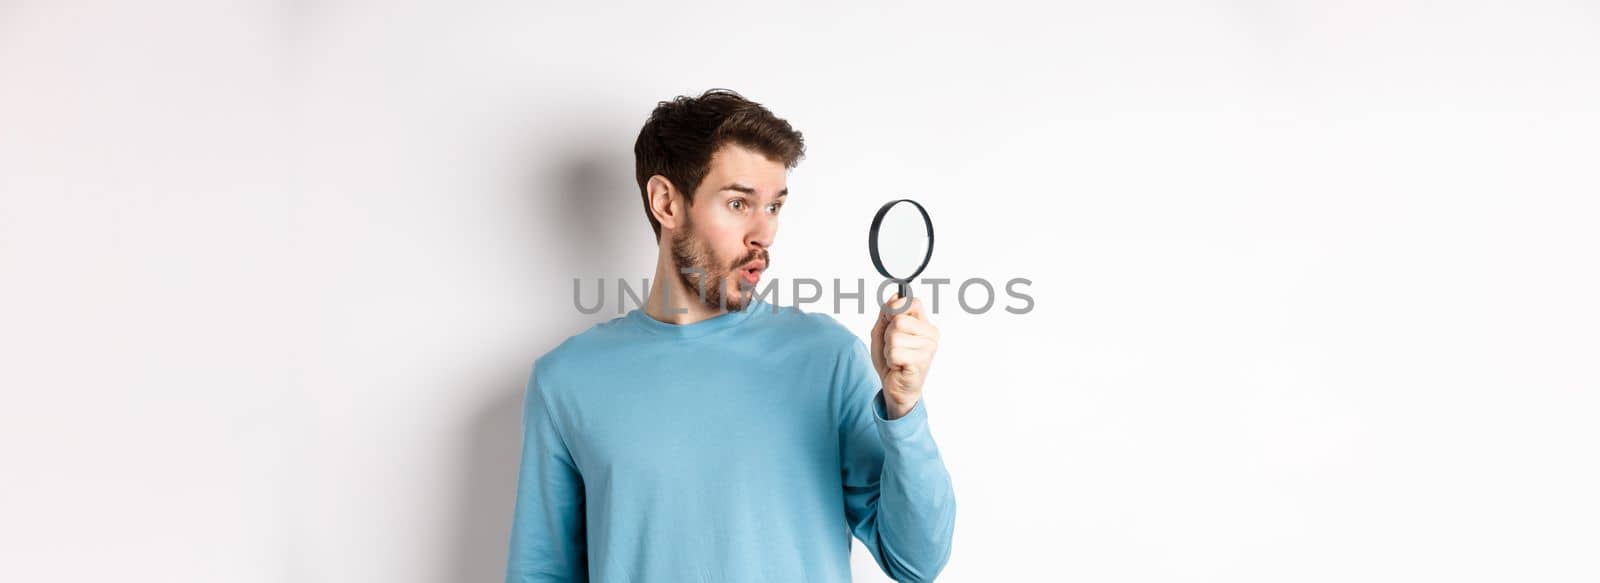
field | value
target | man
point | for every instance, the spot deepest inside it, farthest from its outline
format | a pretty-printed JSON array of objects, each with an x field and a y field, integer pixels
[{"x": 711, "y": 436}]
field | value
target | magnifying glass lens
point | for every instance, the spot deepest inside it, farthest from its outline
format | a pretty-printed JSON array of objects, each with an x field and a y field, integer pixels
[{"x": 901, "y": 241}]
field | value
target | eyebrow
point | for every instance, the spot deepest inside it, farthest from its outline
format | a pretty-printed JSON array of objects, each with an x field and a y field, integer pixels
[{"x": 750, "y": 190}]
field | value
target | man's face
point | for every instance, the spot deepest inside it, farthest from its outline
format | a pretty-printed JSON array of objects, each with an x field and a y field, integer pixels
[{"x": 726, "y": 232}]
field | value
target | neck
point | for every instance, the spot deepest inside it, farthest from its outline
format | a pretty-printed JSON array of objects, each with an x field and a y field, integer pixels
[{"x": 671, "y": 301}]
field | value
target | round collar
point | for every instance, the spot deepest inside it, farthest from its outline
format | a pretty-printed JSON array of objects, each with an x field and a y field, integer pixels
[{"x": 710, "y": 325}]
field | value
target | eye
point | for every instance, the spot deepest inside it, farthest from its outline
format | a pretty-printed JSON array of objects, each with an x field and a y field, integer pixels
[
  {"x": 773, "y": 208},
  {"x": 736, "y": 204}
]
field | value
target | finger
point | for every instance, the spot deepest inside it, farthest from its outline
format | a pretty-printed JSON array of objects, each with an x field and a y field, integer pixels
[
  {"x": 909, "y": 324},
  {"x": 880, "y": 333},
  {"x": 904, "y": 356},
  {"x": 911, "y": 342},
  {"x": 902, "y": 338},
  {"x": 880, "y": 327},
  {"x": 915, "y": 310},
  {"x": 897, "y": 305},
  {"x": 890, "y": 308}
]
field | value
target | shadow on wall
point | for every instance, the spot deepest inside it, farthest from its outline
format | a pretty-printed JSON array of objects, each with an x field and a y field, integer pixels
[{"x": 582, "y": 204}]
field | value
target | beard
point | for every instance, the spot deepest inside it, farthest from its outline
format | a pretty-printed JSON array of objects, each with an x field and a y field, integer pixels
[{"x": 705, "y": 274}]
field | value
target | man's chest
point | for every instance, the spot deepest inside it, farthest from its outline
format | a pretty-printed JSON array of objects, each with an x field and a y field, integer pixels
[{"x": 658, "y": 422}]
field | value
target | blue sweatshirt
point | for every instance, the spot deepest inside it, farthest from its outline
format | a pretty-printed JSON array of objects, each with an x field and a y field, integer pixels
[{"x": 747, "y": 447}]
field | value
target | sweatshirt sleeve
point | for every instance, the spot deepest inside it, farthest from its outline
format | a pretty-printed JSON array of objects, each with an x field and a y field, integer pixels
[
  {"x": 898, "y": 496},
  {"x": 548, "y": 540}
]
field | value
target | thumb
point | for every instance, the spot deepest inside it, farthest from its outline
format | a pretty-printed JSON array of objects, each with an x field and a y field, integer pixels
[{"x": 878, "y": 331}]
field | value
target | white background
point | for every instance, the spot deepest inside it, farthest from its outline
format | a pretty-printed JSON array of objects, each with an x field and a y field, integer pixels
[{"x": 1315, "y": 281}]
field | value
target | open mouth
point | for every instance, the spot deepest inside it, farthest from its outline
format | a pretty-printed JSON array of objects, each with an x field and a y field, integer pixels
[{"x": 752, "y": 272}]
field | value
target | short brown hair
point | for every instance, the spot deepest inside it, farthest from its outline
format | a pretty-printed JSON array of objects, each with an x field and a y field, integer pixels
[{"x": 681, "y": 135}]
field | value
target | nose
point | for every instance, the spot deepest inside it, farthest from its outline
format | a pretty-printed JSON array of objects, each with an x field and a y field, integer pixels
[{"x": 763, "y": 229}]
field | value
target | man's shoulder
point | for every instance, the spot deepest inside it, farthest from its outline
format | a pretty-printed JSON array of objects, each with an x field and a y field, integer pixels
[{"x": 580, "y": 351}]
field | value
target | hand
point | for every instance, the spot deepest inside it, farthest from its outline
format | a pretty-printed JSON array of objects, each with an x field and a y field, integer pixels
[{"x": 903, "y": 344}]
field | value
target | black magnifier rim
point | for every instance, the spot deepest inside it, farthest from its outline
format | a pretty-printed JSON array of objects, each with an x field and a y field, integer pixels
[{"x": 872, "y": 239}]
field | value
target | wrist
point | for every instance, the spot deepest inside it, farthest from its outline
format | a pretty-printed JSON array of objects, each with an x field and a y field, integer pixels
[{"x": 896, "y": 408}]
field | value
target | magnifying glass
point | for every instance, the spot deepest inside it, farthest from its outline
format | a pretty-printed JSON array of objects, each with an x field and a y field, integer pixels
[{"x": 901, "y": 241}]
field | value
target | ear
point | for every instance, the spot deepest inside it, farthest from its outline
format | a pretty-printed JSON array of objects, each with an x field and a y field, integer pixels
[{"x": 665, "y": 203}]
